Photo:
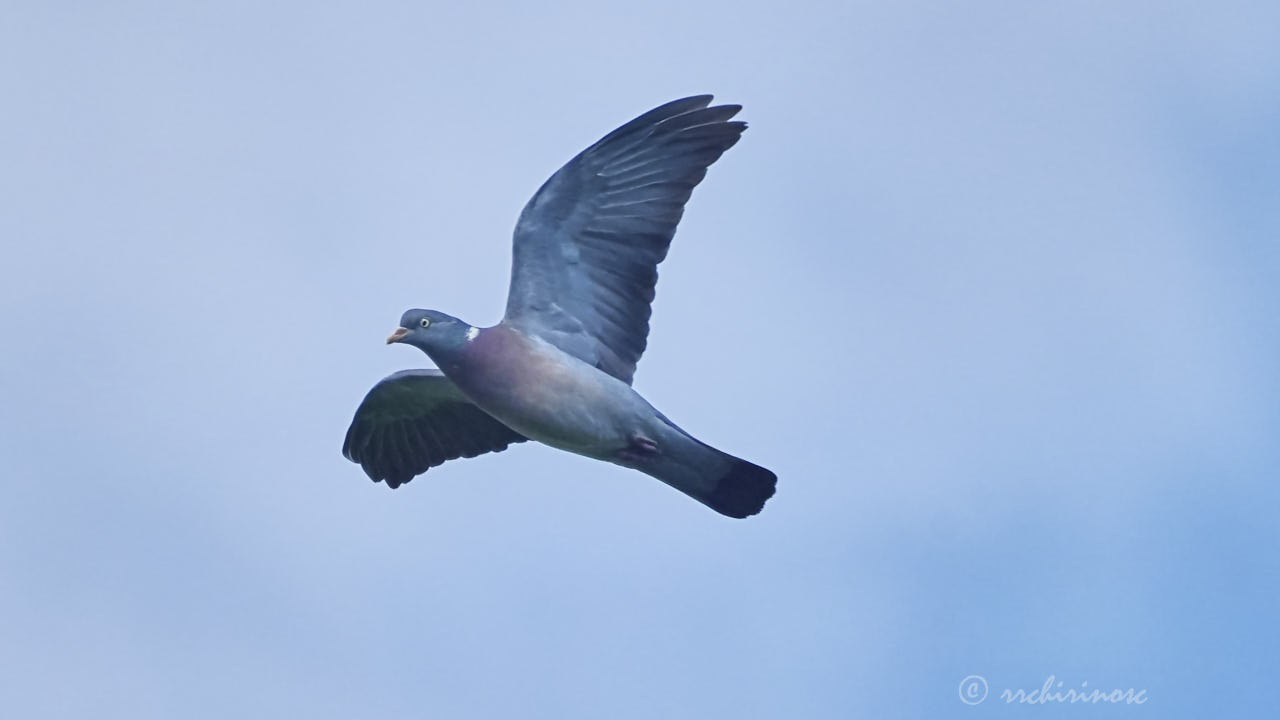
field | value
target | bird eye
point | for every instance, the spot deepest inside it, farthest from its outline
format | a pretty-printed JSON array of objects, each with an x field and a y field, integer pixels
[{"x": 424, "y": 322}]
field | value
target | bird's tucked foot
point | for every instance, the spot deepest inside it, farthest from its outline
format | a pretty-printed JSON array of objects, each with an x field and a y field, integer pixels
[{"x": 638, "y": 448}]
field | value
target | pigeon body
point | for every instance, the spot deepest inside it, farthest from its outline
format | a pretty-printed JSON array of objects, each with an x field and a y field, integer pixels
[{"x": 558, "y": 368}]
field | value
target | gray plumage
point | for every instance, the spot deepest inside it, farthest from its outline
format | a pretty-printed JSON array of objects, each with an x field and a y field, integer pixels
[
  {"x": 559, "y": 366},
  {"x": 588, "y": 244},
  {"x": 414, "y": 420}
]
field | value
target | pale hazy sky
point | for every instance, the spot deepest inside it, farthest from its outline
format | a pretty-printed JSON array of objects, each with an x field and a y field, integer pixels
[{"x": 991, "y": 286}]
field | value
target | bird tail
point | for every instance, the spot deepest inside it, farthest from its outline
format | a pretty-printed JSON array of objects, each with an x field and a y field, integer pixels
[{"x": 729, "y": 485}]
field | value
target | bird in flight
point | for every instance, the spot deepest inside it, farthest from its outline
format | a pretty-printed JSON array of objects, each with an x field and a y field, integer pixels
[{"x": 558, "y": 367}]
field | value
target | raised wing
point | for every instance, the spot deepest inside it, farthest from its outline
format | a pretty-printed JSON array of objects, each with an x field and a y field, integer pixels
[
  {"x": 588, "y": 244},
  {"x": 415, "y": 420}
]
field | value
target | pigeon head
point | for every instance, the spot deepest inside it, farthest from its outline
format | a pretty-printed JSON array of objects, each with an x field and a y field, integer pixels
[{"x": 431, "y": 332}]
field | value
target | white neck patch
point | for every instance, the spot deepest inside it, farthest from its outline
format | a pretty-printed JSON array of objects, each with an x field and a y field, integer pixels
[{"x": 472, "y": 333}]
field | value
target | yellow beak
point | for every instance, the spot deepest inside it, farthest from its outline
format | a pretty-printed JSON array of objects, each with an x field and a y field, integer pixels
[{"x": 398, "y": 335}]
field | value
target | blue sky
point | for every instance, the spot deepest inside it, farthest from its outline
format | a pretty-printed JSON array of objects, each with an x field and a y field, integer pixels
[{"x": 990, "y": 286}]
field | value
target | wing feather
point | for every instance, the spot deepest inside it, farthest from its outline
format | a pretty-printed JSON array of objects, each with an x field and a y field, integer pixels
[
  {"x": 415, "y": 420},
  {"x": 588, "y": 243}
]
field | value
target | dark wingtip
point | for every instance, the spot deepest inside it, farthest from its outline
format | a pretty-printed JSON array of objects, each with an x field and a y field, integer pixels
[{"x": 743, "y": 491}]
